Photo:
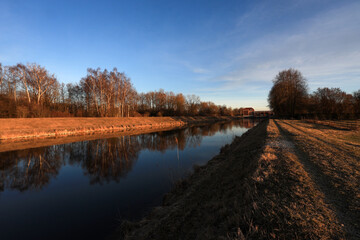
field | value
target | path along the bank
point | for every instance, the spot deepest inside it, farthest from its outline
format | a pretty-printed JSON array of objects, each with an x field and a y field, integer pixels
[
  {"x": 280, "y": 180},
  {"x": 333, "y": 165}
]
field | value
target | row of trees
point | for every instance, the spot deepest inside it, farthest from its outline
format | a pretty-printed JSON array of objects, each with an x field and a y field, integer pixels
[
  {"x": 289, "y": 97},
  {"x": 26, "y": 86},
  {"x": 31, "y": 91}
]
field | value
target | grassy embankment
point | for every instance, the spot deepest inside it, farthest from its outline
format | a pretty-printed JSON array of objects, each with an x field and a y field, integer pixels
[
  {"x": 280, "y": 180},
  {"x": 21, "y": 133}
]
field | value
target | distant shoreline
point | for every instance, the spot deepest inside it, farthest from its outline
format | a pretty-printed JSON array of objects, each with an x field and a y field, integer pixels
[{"x": 21, "y": 133}]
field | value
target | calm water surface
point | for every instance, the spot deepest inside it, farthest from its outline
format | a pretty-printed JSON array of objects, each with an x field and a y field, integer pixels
[{"x": 83, "y": 189}]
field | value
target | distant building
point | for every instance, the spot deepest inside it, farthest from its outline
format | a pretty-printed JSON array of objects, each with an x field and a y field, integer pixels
[{"x": 248, "y": 112}]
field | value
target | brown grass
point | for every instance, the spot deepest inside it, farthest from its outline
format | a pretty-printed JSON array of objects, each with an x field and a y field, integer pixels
[
  {"x": 337, "y": 124},
  {"x": 274, "y": 182},
  {"x": 213, "y": 203},
  {"x": 334, "y": 163},
  {"x": 17, "y": 133}
]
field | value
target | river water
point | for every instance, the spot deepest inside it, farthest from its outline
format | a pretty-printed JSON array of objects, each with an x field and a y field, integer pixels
[{"x": 83, "y": 190}]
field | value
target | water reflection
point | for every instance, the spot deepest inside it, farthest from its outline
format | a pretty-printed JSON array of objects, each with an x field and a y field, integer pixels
[
  {"x": 102, "y": 160},
  {"x": 31, "y": 168}
]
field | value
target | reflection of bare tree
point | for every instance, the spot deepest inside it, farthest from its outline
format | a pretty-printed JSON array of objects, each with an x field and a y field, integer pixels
[
  {"x": 194, "y": 137},
  {"x": 161, "y": 141},
  {"x": 103, "y": 160},
  {"x": 29, "y": 169},
  {"x": 110, "y": 159}
]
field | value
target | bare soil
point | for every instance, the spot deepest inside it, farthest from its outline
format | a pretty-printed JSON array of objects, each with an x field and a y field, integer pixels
[{"x": 280, "y": 180}]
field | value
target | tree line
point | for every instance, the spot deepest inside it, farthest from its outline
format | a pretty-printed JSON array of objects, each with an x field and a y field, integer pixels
[
  {"x": 290, "y": 97},
  {"x": 32, "y": 91}
]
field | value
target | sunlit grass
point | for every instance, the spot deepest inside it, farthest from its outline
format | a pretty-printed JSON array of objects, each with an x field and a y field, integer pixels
[{"x": 354, "y": 137}]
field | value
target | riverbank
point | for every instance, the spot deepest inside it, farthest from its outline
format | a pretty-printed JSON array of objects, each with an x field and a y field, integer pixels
[
  {"x": 277, "y": 181},
  {"x": 17, "y": 128},
  {"x": 22, "y": 133}
]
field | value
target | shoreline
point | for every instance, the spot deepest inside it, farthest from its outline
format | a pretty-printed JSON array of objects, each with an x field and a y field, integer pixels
[
  {"x": 276, "y": 181},
  {"x": 18, "y": 134},
  {"x": 197, "y": 205}
]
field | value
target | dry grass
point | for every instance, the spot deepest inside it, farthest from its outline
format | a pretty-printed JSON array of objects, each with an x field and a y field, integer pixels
[
  {"x": 293, "y": 201},
  {"x": 214, "y": 203},
  {"x": 338, "y": 124},
  {"x": 15, "y": 132},
  {"x": 334, "y": 164},
  {"x": 341, "y": 138},
  {"x": 353, "y": 138},
  {"x": 25, "y": 143},
  {"x": 272, "y": 183}
]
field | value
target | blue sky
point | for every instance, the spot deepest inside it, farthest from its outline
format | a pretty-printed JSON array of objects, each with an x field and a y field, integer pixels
[{"x": 227, "y": 52}]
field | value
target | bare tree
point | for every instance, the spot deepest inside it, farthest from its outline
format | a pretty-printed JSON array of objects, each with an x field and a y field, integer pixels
[
  {"x": 333, "y": 103},
  {"x": 40, "y": 81},
  {"x": 356, "y": 96},
  {"x": 12, "y": 81},
  {"x": 193, "y": 103},
  {"x": 90, "y": 88},
  {"x": 32, "y": 91},
  {"x": 2, "y": 77},
  {"x": 288, "y": 95},
  {"x": 124, "y": 92},
  {"x": 23, "y": 74},
  {"x": 76, "y": 98},
  {"x": 160, "y": 100},
  {"x": 180, "y": 104}
]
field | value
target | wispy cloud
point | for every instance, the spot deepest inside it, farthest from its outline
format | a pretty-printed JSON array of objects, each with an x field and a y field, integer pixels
[
  {"x": 325, "y": 48},
  {"x": 199, "y": 70},
  {"x": 191, "y": 67}
]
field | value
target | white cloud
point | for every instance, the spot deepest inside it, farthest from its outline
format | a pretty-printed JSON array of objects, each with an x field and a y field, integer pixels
[
  {"x": 325, "y": 48},
  {"x": 199, "y": 70},
  {"x": 191, "y": 67}
]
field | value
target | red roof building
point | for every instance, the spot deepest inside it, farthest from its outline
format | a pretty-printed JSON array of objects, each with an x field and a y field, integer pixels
[{"x": 248, "y": 112}]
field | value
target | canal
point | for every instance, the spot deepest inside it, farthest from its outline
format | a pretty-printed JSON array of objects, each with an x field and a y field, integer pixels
[{"x": 82, "y": 190}]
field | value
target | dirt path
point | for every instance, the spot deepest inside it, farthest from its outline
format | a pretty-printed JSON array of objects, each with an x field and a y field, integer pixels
[
  {"x": 280, "y": 180},
  {"x": 288, "y": 196},
  {"x": 331, "y": 140},
  {"x": 334, "y": 170}
]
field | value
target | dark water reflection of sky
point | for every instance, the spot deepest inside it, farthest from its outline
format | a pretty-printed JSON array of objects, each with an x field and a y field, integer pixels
[{"x": 82, "y": 190}]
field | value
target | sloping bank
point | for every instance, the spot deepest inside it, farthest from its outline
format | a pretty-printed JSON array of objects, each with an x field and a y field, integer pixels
[
  {"x": 16, "y": 128},
  {"x": 23, "y": 133},
  {"x": 254, "y": 189}
]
